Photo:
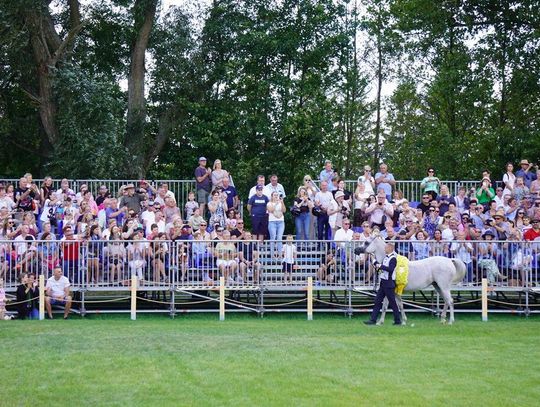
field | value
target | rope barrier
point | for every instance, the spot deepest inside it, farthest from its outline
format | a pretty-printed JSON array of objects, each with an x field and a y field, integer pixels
[
  {"x": 100, "y": 301},
  {"x": 9, "y": 303},
  {"x": 176, "y": 303},
  {"x": 285, "y": 303}
]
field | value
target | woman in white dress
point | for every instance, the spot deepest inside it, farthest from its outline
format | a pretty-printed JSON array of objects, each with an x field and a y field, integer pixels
[{"x": 509, "y": 179}]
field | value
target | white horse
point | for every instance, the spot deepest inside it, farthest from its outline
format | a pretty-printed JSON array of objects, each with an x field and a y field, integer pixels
[{"x": 441, "y": 272}]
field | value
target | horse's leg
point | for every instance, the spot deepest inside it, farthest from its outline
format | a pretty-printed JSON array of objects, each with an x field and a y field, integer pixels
[
  {"x": 399, "y": 301},
  {"x": 448, "y": 303},
  {"x": 383, "y": 311},
  {"x": 445, "y": 306}
]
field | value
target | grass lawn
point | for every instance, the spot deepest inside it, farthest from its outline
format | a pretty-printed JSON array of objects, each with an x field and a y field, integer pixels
[{"x": 280, "y": 360}]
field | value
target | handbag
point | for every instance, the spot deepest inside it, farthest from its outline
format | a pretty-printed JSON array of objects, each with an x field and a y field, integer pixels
[{"x": 295, "y": 210}]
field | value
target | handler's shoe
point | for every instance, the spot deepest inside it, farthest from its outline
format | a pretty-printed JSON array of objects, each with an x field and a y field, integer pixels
[
  {"x": 397, "y": 323},
  {"x": 370, "y": 322}
]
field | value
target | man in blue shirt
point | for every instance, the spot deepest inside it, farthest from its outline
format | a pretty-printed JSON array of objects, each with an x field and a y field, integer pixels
[
  {"x": 526, "y": 172},
  {"x": 387, "y": 276},
  {"x": 232, "y": 195},
  {"x": 328, "y": 174},
  {"x": 385, "y": 181},
  {"x": 257, "y": 210}
]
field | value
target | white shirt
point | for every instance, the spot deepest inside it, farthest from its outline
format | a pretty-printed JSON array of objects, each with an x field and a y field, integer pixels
[
  {"x": 289, "y": 251},
  {"x": 324, "y": 198},
  {"x": 7, "y": 202},
  {"x": 278, "y": 188},
  {"x": 148, "y": 218},
  {"x": 58, "y": 286},
  {"x": 343, "y": 235}
]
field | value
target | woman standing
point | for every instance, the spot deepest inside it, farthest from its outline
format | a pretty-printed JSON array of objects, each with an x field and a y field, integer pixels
[
  {"x": 28, "y": 292},
  {"x": 445, "y": 199},
  {"x": 361, "y": 198},
  {"x": 302, "y": 219},
  {"x": 431, "y": 183},
  {"x": 509, "y": 179},
  {"x": 218, "y": 174},
  {"x": 276, "y": 221},
  {"x": 217, "y": 207}
]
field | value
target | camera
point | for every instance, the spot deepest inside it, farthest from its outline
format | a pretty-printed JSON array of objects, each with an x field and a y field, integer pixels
[{"x": 280, "y": 196}]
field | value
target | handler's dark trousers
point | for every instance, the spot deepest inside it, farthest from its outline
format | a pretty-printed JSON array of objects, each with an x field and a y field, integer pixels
[{"x": 388, "y": 292}]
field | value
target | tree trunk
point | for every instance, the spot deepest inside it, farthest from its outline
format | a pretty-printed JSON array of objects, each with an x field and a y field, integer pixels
[
  {"x": 144, "y": 11},
  {"x": 378, "y": 101}
]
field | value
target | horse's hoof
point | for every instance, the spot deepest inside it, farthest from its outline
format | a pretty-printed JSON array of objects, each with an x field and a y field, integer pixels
[
  {"x": 444, "y": 322},
  {"x": 379, "y": 323},
  {"x": 403, "y": 323}
]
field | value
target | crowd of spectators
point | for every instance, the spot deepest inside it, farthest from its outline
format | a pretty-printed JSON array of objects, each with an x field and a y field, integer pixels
[{"x": 161, "y": 231}]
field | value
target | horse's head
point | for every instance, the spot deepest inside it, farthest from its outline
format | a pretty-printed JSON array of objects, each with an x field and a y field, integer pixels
[{"x": 374, "y": 246}]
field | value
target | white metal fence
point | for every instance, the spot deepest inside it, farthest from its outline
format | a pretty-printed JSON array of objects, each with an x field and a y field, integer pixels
[{"x": 162, "y": 264}]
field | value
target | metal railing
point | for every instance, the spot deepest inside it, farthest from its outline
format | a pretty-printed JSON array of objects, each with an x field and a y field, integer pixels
[
  {"x": 411, "y": 189},
  {"x": 162, "y": 264}
]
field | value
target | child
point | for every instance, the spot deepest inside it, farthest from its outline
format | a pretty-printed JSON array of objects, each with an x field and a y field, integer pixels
[
  {"x": 289, "y": 258},
  {"x": 327, "y": 267},
  {"x": 191, "y": 205},
  {"x": 195, "y": 220},
  {"x": 230, "y": 222}
]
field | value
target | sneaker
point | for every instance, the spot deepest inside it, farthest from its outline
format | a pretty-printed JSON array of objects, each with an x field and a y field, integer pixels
[
  {"x": 369, "y": 322},
  {"x": 397, "y": 323}
]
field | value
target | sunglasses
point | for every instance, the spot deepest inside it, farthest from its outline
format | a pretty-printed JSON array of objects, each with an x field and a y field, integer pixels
[
  {"x": 432, "y": 210},
  {"x": 431, "y": 171}
]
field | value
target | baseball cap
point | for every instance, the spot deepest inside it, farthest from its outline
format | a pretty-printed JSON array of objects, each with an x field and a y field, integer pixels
[
  {"x": 259, "y": 188},
  {"x": 202, "y": 158}
]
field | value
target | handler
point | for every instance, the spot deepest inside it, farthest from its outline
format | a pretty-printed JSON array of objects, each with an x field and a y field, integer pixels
[{"x": 387, "y": 275}]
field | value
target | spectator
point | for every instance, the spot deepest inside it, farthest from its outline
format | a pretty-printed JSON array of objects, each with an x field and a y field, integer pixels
[
  {"x": 511, "y": 209},
  {"x": 463, "y": 251},
  {"x": 58, "y": 292},
  {"x": 225, "y": 252},
  {"x": 218, "y": 174},
  {"x": 526, "y": 172},
  {"x": 274, "y": 186},
  {"x": 344, "y": 234},
  {"x": 170, "y": 210},
  {"x": 340, "y": 211},
  {"x": 196, "y": 219},
  {"x": 302, "y": 220},
  {"x": 257, "y": 210},
  {"x": 520, "y": 189},
  {"x": 240, "y": 233},
  {"x": 420, "y": 246},
  {"x": 535, "y": 185},
  {"x": 65, "y": 191},
  {"x": 118, "y": 214},
  {"x": 28, "y": 297},
  {"x": 499, "y": 197},
  {"x": 379, "y": 210},
  {"x": 534, "y": 232},
  {"x": 486, "y": 193},
  {"x": 310, "y": 187},
  {"x": 509, "y": 179},
  {"x": 248, "y": 258},
  {"x": 46, "y": 189},
  {"x": 323, "y": 200},
  {"x": 132, "y": 201},
  {"x": 462, "y": 201},
  {"x": 289, "y": 253},
  {"x": 385, "y": 180},
  {"x": 232, "y": 195},
  {"x": 425, "y": 204},
  {"x": 70, "y": 248},
  {"x": 327, "y": 175},
  {"x": 488, "y": 253},
  {"x": 103, "y": 194},
  {"x": 368, "y": 180},
  {"x": 276, "y": 221},
  {"x": 260, "y": 182},
  {"x": 431, "y": 221},
  {"x": 203, "y": 183},
  {"x": 148, "y": 217},
  {"x": 25, "y": 195},
  {"x": 190, "y": 205},
  {"x": 5, "y": 200},
  {"x": 445, "y": 199},
  {"x": 361, "y": 202},
  {"x": 347, "y": 194},
  {"x": 431, "y": 183},
  {"x": 218, "y": 208},
  {"x": 164, "y": 186}
]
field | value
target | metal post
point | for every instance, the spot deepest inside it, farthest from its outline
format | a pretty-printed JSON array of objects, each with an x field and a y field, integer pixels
[
  {"x": 41, "y": 297},
  {"x": 484, "y": 300},
  {"x": 310, "y": 298},
  {"x": 133, "y": 297},
  {"x": 222, "y": 298}
]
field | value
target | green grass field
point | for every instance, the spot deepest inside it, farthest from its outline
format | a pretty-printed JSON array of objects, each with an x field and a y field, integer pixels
[{"x": 281, "y": 360}]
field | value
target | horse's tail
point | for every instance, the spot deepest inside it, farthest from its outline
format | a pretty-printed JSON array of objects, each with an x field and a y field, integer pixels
[{"x": 461, "y": 270}]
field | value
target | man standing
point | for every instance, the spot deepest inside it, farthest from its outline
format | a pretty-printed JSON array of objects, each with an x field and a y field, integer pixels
[
  {"x": 323, "y": 199},
  {"x": 58, "y": 292},
  {"x": 385, "y": 180},
  {"x": 274, "y": 186},
  {"x": 203, "y": 184},
  {"x": 257, "y": 210},
  {"x": 327, "y": 175},
  {"x": 387, "y": 276},
  {"x": 526, "y": 172},
  {"x": 232, "y": 194},
  {"x": 260, "y": 182},
  {"x": 132, "y": 201}
]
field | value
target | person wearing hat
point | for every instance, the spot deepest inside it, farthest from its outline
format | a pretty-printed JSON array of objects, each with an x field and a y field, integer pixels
[
  {"x": 203, "y": 183},
  {"x": 131, "y": 200},
  {"x": 338, "y": 211},
  {"x": 367, "y": 179},
  {"x": 485, "y": 193},
  {"x": 488, "y": 251},
  {"x": 500, "y": 227},
  {"x": 527, "y": 172},
  {"x": 257, "y": 210},
  {"x": 387, "y": 278}
]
